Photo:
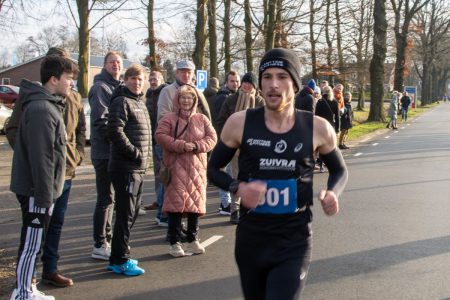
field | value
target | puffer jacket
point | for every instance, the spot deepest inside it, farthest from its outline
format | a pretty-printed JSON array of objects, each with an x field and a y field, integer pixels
[
  {"x": 39, "y": 157},
  {"x": 186, "y": 191},
  {"x": 305, "y": 100},
  {"x": 129, "y": 131}
]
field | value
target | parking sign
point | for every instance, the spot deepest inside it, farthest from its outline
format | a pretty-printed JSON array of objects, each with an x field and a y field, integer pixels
[
  {"x": 202, "y": 79},
  {"x": 412, "y": 92}
]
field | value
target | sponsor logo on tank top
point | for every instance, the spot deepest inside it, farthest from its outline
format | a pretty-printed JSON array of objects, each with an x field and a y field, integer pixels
[
  {"x": 277, "y": 164},
  {"x": 280, "y": 146},
  {"x": 255, "y": 142},
  {"x": 298, "y": 147}
]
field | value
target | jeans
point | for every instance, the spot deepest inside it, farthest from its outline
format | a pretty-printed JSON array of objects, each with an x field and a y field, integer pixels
[
  {"x": 128, "y": 188},
  {"x": 174, "y": 229},
  {"x": 404, "y": 114},
  {"x": 104, "y": 207},
  {"x": 225, "y": 196},
  {"x": 50, "y": 254},
  {"x": 160, "y": 189}
]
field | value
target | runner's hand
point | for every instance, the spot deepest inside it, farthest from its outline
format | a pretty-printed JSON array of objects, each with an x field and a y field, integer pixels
[
  {"x": 252, "y": 193},
  {"x": 329, "y": 201}
]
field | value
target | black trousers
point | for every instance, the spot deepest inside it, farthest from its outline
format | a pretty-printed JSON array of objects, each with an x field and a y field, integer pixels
[
  {"x": 128, "y": 191},
  {"x": 270, "y": 267},
  {"x": 35, "y": 221},
  {"x": 174, "y": 229}
]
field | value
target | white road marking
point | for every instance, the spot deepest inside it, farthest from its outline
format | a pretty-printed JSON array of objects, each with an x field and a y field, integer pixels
[
  {"x": 374, "y": 144},
  {"x": 396, "y": 131},
  {"x": 358, "y": 154},
  {"x": 206, "y": 243},
  {"x": 211, "y": 240},
  {"x": 388, "y": 136}
]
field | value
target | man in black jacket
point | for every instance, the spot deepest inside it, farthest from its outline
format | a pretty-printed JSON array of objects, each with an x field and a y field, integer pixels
[
  {"x": 231, "y": 86},
  {"x": 304, "y": 99},
  {"x": 129, "y": 131},
  {"x": 156, "y": 81},
  {"x": 99, "y": 100},
  {"x": 38, "y": 168}
]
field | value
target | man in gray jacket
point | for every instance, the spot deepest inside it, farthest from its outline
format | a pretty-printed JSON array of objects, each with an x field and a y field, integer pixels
[
  {"x": 99, "y": 100},
  {"x": 38, "y": 169}
]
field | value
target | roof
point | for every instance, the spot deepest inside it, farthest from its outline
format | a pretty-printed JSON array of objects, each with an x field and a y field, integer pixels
[{"x": 95, "y": 61}]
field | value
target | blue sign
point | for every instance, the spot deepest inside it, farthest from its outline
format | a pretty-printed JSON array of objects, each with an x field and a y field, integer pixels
[
  {"x": 202, "y": 79},
  {"x": 412, "y": 92}
]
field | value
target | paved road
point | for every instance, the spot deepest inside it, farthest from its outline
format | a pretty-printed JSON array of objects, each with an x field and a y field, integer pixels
[{"x": 390, "y": 241}]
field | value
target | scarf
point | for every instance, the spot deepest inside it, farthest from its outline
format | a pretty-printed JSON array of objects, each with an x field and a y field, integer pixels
[{"x": 245, "y": 101}]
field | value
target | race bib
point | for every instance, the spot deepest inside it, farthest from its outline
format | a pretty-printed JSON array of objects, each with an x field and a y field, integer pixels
[{"x": 280, "y": 198}]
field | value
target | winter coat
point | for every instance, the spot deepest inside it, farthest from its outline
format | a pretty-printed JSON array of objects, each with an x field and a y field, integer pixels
[
  {"x": 151, "y": 102},
  {"x": 99, "y": 100},
  {"x": 229, "y": 108},
  {"x": 39, "y": 159},
  {"x": 221, "y": 95},
  {"x": 186, "y": 191},
  {"x": 405, "y": 101},
  {"x": 210, "y": 95},
  {"x": 167, "y": 96},
  {"x": 329, "y": 110},
  {"x": 392, "y": 111},
  {"x": 129, "y": 132},
  {"x": 75, "y": 122},
  {"x": 305, "y": 100},
  {"x": 347, "y": 116}
]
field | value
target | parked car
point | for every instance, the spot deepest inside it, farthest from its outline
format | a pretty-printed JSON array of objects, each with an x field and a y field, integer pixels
[
  {"x": 5, "y": 115},
  {"x": 9, "y": 95},
  {"x": 87, "y": 116}
]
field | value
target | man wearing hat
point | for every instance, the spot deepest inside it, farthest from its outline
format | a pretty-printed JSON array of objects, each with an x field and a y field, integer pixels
[
  {"x": 184, "y": 74},
  {"x": 305, "y": 100},
  {"x": 246, "y": 97},
  {"x": 277, "y": 146}
]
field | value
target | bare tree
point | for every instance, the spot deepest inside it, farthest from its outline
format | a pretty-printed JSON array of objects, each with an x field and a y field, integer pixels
[
  {"x": 152, "y": 58},
  {"x": 212, "y": 37},
  {"x": 271, "y": 22},
  {"x": 84, "y": 30},
  {"x": 248, "y": 36},
  {"x": 376, "y": 112},
  {"x": 403, "y": 10},
  {"x": 200, "y": 36},
  {"x": 226, "y": 35}
]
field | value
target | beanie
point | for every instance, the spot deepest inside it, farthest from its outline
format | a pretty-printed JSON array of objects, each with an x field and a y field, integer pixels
[
  {"x": 312, "y": 84},
  {"x": 250, "y": 77},
  {"x": 284, "y": 59}
]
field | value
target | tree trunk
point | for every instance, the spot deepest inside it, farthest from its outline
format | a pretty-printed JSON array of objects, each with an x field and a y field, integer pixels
[
  {"x": 280, "y": 36},
  {"x": 376, "y": 112},
  {"x": 213, "y": 68},
  {"x": 312, "y": 39},
  {"x": 83, "y": 55},
  {"x": 270, "y": 35},
  {"x": 226, "y": 35},
  {"x": 329, "y": 41},
  {"x": 151, "y": 36},
  {"x": 200, "y": 36},
  {"x": 400, "y": 58},
  {"x": 339, "y": 38},
  {"x": 248, "y": 36}
]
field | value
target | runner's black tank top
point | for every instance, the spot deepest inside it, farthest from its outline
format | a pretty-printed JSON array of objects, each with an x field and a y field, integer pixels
[{"x": 267, "y": 155}]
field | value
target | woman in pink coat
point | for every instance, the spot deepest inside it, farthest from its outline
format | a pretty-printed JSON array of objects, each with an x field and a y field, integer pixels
[{"x": 185, "y": 137}]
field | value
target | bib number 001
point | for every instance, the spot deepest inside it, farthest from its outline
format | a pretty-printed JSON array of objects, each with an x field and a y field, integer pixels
[
  {"x": 280, "y": 198},
  {"x": 273, "y": 195}
]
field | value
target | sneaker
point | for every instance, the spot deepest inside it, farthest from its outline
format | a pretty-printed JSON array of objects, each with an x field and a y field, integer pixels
[
  {"x": 234, "y": 218},
  {"x": 195, "y": 247},
  {"x": 37, "y": 294},
  {"x": 102, "y": 253},
  {"x": 152, "y": 206},
  {"x": 224, "y": 211},
  {"x": 128, "y": 269},
  {"x": 322, "y": 169},
  {"x": 163, "y": 223},
  {"x": 176, "y": 250},
  {"x": 141, "y": 212}
]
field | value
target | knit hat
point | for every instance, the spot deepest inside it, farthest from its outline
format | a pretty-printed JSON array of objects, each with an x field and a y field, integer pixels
[
  {"x": 317, "y": 90},
  {"x": 312, "y": 84},
  {"x": 284, "y": 59},
  {"x": 250, "y": 77}
]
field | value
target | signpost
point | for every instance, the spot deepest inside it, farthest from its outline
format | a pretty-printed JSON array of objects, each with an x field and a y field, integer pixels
[
  {"x": 412, "y": 92},
  {"x": 202, "y": 79}
]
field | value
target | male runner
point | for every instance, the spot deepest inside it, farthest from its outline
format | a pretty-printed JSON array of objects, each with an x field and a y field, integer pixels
[{"x": 278, "y": 145}]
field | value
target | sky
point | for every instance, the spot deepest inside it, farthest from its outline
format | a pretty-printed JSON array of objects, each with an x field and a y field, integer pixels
[{"x": 130, "y": 23}]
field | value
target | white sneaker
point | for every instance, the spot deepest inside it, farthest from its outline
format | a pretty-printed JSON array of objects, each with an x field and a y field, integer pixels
[
  {"x": 176, "y": 250},
  {"x": 141, "y": 212},
  {"x": 37, "y": 294},
  {"x": 102, "y": 253},
  {"x": 195, "y": 247}
]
